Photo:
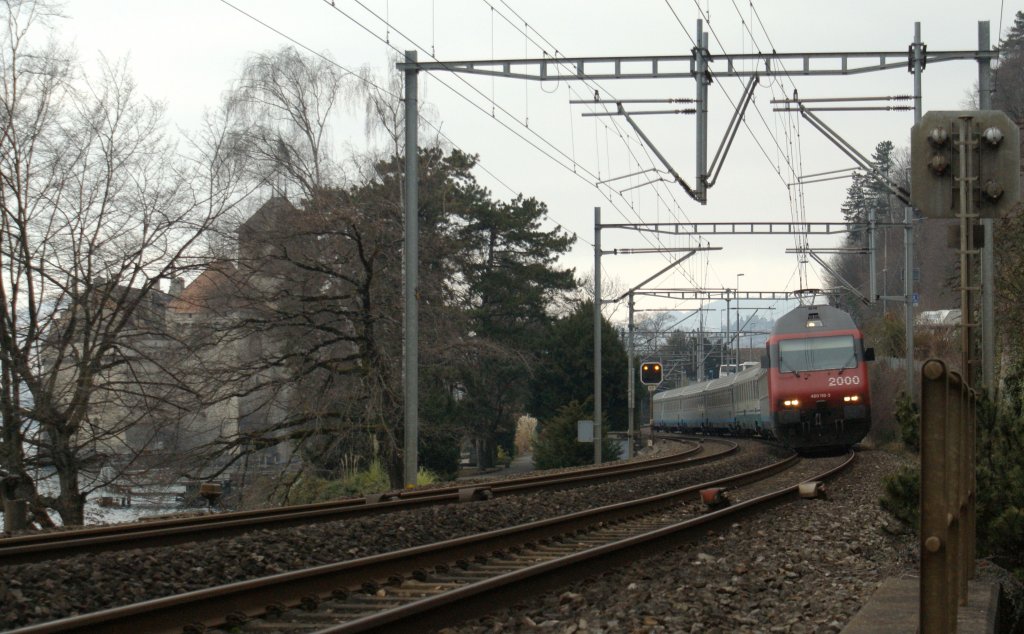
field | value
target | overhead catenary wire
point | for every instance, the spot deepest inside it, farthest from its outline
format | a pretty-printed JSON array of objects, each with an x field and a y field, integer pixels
[
  {"x": 593, "y": 84},
  {"x": 570, "y": 163},
  {"x": 729, "y": 97},
  {"x": 604, "y": 194},
  {"x": 526, "y": 31},
  {"x": 704, "y": 259},
  {"x": 694, "y": 43},
  {"x": 797, "y": 201},
  {"x": 599, "y": 89},
  {"x": 785, "y": 70},
  {"x": 500, "y": 108},
  {"x": 384, "y": 90}
]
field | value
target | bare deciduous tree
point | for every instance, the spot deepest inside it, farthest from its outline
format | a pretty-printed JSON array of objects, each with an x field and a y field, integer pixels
[
  {"x": 97, "y": 208},
  {"x": 318, "y": 316}
]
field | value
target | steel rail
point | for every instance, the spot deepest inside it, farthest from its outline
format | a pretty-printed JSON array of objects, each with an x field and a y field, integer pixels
[
  {"x": 47, "y": 546},
  {"x": 241, "y": 600},
  {"x": 480, "y": 597}
]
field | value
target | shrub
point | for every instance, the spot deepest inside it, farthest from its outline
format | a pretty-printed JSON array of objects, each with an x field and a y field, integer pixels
[
  {"x": 1000, "y": 484},
  {"x": 556, "y": 445},
  {"x": 885, "y": 379},
  {"x": 908, "y": 419},
  {"x": 439, "y": 452},
  {"x": 504, "y": 457},
  {"x": 1005, "y": 533},
  {"x": 901, "y": 491},
  {"x": 1000, "y": 479},
  {"x": 901, "y": 495},
  {"x": 311, "y": 488}
]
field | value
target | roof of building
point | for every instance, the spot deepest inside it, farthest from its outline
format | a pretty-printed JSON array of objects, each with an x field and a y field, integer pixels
[
  {"x": 946, "y": 317},
  {"x": 269, "y": 215},
  {"x": 216, "y": 288}
]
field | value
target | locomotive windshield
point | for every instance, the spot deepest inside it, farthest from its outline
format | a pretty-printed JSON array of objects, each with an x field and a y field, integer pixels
[{"x": 817, "y": 353}]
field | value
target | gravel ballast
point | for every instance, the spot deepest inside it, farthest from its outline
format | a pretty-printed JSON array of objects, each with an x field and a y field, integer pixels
[{"x": 806, "y": 567}]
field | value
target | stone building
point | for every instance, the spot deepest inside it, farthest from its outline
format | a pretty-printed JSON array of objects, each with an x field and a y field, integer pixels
[{"x": 239, "y": 367}]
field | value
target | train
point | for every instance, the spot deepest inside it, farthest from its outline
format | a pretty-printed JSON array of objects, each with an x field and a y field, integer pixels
[{"x": 809, "y": 391}]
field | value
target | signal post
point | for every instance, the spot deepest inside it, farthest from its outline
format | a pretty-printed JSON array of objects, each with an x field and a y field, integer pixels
[
  {"x": 651, "y": 375},
  {"x": 964, "y": 165}
]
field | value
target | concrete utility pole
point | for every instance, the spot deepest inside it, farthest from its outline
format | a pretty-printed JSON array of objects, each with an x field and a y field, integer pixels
[
  {"x": 703, "y": 79},
  {"x": 630, "y": 381},
  {"x": 412, "y": 356},
  {"x": 908, "y": 273},
  {"x": 597, "y": 335},
  {"x": 738, "y": 329}
]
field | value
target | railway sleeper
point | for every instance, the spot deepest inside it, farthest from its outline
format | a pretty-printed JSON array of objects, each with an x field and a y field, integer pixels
[
  {"x": 352, "y": 612},
  {"x": 413, "y": 586},
  {"x": 472, "y": 573},
  {"x": 498, "y": 569},
  {"x": 373, "y": 599},
  {"x": 412, "y": 594},
  {"x": 284, "y": 627},
  {"x": 475, "y": 494},
  {"x": 377, "y": 498},
  {"x": 529, "y": 560},
  {"x": 462, "y": 579},
  {"x": 302, "y": 620},
  {"x": 557, "y": 551}
]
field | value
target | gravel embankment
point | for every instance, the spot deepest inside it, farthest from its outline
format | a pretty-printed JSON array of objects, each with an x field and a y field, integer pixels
[{"x": 806, "y": 567}]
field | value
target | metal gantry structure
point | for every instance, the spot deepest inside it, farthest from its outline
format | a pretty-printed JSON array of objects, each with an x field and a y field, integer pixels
[{"x": 701, "y": 66}]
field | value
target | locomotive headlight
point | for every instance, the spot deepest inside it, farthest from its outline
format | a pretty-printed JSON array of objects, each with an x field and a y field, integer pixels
[
  {"x": 791, "y": 403},
  {"x": 851, "y": 399}
]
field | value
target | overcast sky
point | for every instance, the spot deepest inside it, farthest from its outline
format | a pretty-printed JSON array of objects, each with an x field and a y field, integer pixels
[{"x": 186, "y": 53}]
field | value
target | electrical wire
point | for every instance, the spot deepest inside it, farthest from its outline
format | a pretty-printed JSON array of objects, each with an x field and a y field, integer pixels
[
  {"x": 592, "y": 85},
  {"x": 733, "y": 103},
  {"x": 525, "y": 124},
  {"x": 458, "y": 76},
  {"x": 386, "y": 91},
  {"x": 799, "y": 211},
  {"x": 390, "y": 27},
  {"x": 797, "y": 201},
  {"x": 624, "y": 137},
  {"x": 570, "y": 159}
]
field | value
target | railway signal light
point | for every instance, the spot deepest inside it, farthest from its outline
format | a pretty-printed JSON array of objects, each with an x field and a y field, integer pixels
[
  {"x": 992, "y": 162},
  {"x": 650, "y": 373}
]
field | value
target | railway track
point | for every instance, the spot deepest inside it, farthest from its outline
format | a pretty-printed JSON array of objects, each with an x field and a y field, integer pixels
[
  {"x": 60, "y": 544},
  {"x": 445, "y": 582}
]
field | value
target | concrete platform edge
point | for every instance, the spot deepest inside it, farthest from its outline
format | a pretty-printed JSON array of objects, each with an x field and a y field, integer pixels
[{"x": 893, "y": 609}]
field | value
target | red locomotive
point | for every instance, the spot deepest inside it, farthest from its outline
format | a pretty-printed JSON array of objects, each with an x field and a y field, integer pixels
[
  {"x": 818, "y": 379},
  {"x": 810, "y": 391}
]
